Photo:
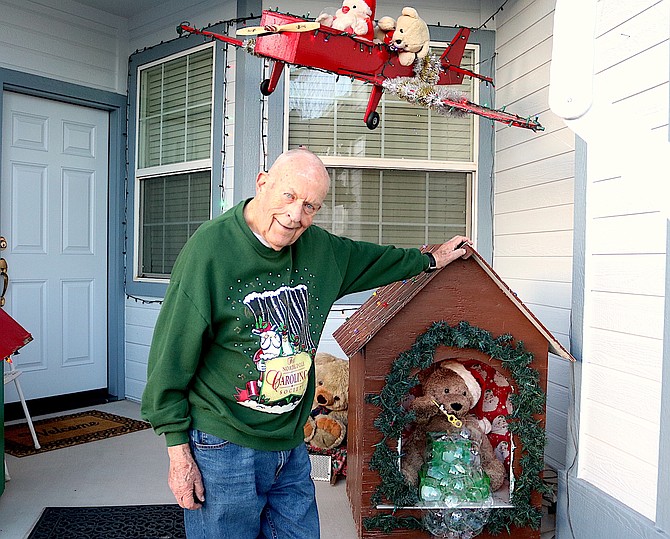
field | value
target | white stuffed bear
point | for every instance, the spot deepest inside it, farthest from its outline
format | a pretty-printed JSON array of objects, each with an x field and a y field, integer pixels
[
  {"x": 354, "y": 17},
  {"x": 411, "y": 37}
]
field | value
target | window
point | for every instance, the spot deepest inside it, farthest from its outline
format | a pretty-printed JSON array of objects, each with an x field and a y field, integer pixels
[
  {"x": 174, "y": 132},
  {"x": 172, "y": 207},
  {"x": 406, "y": 208},
  {"x": 408, "y": 182}
]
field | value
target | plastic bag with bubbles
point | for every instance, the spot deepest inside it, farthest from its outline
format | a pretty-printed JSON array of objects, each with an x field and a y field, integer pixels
[
  {"x": 451, "y": 478},
  {"x": 456, "y": 523},
  {"x": 452, "y": 474}
]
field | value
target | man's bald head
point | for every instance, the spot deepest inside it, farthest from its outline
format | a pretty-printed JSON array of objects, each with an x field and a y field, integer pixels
[
  {"x": 302, "y": 161},
  {"x": 288, "y": 197}
]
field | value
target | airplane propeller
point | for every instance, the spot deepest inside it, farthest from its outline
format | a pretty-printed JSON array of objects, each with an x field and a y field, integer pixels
[{"x": 276, "y": 28}]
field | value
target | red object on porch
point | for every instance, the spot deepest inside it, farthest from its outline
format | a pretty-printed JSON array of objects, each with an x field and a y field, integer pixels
[{"x": 12, "y": 335}]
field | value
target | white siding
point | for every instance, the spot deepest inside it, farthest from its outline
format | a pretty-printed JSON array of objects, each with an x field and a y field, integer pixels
[
  {"x": 626, "y": 218},
  {"x": 151, "y": 27},
  {"x": 140, "y": 322},
  {"x": 533, "y": 190},
  {"x": 337, "y": 316},
  {"x": 156, "y": 25},
  {"x": 623, "y": 340},
  {"x": 64, "y": 40}
]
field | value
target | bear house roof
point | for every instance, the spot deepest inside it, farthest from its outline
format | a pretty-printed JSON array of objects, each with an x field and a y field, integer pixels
[{"x": 388, "y": 300}]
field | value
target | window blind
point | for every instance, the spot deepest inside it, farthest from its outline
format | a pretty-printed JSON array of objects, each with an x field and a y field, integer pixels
[
  {"x": 172, "y": 208},
  {"x": 175, "y": 110},
  {"x": 326, "y": 114},
  {"x": 406, "y": 208}
]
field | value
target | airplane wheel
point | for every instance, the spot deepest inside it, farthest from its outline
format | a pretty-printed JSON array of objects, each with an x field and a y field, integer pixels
[
  {"x": 373, "y": 120},
  {"x": 265, "y": 87}
]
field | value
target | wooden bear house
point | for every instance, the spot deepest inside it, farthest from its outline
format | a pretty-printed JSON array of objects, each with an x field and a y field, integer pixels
[{"x": 462, "y": 313}]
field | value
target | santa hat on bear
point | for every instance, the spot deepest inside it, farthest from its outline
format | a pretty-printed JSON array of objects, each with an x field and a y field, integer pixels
[
  {"x": 470, "y": 381},
  {"x": 372, "y": 6}
]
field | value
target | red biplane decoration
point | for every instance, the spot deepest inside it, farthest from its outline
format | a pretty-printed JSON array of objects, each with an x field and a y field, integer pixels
[{"x": 287, "y": 39}]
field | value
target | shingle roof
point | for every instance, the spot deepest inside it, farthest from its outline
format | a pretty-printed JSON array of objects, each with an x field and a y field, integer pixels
[{"x": 387, "y": 301}]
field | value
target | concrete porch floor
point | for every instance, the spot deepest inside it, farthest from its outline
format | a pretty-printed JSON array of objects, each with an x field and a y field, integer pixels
[{"x": 126, "y": 470}]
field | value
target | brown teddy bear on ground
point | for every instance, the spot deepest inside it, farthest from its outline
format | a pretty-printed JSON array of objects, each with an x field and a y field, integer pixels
[
  {"x": 411, "y": 37},
  {"x": 456, "y": 390},
  {"x": 326, "y": 427}
]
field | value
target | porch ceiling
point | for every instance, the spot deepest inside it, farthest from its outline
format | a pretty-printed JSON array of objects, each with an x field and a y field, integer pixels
[{"x": 122, "y": 8}]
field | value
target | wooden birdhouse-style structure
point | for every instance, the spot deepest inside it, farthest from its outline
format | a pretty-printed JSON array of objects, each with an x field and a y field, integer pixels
[{"x": 463, "y": 312}]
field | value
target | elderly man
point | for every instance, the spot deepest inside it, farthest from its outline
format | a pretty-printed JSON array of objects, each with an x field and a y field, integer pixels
[{"x": 231, "y": 380}]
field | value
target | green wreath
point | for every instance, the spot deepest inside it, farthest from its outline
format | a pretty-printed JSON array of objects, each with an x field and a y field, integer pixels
[{"x": 393, "y": 418}]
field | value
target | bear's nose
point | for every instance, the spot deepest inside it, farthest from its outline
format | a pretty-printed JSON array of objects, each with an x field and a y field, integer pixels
[
  {"x": 398, "y": 41},
  {"x": 321, "y": 400},
  {"x": 456, "y": 406},
  {"x": 345, "y": 9}
]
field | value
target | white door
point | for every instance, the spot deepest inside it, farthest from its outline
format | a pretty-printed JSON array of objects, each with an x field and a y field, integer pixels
[{"x": 53, "y": 213}]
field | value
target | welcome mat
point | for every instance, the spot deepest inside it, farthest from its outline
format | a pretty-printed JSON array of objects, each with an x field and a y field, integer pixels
[
  {"x": 116, "y": 522},
  {"x": 68, "y": 430}
]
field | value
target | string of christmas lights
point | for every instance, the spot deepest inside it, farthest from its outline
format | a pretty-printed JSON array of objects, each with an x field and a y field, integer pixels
[{"x": 483, "y": 25}]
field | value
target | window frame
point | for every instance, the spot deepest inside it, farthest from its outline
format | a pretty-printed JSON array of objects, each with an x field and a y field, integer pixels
[
  {"x": 198, "y": 164},
  {"x": 155, "y": 287},
  {"x": 183, "y": 167},
  {"x": 139, "y": 243}
]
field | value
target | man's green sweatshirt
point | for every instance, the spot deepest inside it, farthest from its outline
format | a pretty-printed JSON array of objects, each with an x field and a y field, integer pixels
[{"x": 233, "y": 347}]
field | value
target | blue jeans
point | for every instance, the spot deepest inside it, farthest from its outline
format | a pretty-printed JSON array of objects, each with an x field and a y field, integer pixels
[{"x": 252, "y": 494}]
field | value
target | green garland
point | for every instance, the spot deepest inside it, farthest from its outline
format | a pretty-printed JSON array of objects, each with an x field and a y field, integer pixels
[{"x": 393, "y": 418}]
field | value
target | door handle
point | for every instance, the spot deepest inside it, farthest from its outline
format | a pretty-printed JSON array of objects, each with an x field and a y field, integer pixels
[{"x": 5, "y": 280}]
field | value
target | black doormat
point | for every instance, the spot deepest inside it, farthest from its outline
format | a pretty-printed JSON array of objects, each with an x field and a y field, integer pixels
[{"x": 115, "y": 522}]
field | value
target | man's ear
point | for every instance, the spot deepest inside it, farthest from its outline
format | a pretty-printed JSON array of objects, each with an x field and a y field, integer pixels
[{"x": 261, "y": 180}]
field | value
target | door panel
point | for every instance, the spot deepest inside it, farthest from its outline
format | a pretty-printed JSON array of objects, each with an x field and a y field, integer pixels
[
  {"x": 53, "y": 212},
  {"x": 26, "y": 196}
]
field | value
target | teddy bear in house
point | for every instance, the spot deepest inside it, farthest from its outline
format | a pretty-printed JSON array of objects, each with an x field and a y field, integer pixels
[
  {"x": 353, "y": 17},
  {"x": 456, "y": 391},
  {"x": 411, "y": 37},
  {"x": 326, "y": 427}
]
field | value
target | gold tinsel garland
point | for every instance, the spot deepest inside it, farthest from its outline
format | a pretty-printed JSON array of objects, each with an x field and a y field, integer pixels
[{"x": 423, "y": 89}]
